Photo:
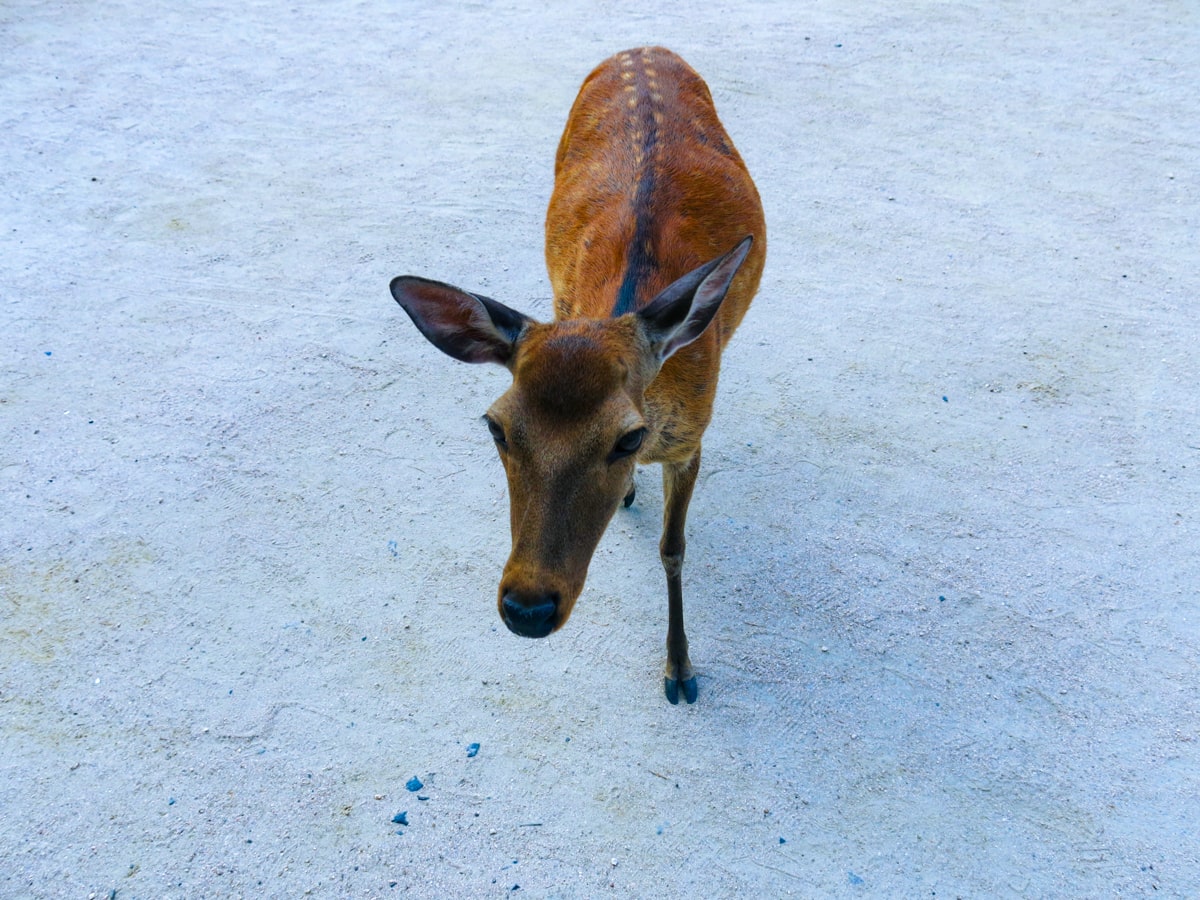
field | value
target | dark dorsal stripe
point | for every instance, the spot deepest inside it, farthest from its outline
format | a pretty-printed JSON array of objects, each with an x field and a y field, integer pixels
[{"x": 640, "y": 254}]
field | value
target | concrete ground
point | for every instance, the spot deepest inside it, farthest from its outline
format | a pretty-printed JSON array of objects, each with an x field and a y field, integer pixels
[{"x": 943, "y": 568}]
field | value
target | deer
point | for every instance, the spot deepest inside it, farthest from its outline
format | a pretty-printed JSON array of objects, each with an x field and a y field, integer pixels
[{"x": 655, "y": 245}]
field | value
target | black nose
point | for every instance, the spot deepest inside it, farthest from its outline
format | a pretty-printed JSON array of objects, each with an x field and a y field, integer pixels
[{"x": 530, "y": 616}]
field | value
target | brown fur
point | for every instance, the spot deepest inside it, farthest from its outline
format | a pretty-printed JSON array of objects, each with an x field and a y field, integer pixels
[
  {"x": 648, "y": 253},
  {"x": 648, "y": 187},
  {"x": 704, "y": 202}
]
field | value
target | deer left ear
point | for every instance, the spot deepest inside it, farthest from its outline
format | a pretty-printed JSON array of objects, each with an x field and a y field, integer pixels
[
  {"x": 469, "y": 327},
  {"x": 679, "y": 315}
]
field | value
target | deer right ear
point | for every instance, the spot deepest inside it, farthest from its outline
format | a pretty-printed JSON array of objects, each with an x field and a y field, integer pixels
[
  {"x": 469, "y": 327},
  {"x": 679, "y": 314}
]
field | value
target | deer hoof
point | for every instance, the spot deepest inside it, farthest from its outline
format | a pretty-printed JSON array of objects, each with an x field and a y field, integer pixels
[
  {"x": 671, "y": 689},
  {"x": 629, "y": 497}
]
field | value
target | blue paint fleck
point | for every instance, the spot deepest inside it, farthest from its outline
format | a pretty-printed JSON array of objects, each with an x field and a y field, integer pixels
[
  {"x": 854, "y": 879},
  {"x": 400, "y": 818},
  {"x": 49, "y": 353},
  {"x": 170, "y": 801},
  {"x": 945, "y": 399},
  {"x": 783, "y": 840},
  {"x": 472, "y": 750},
  {"x": 414, "y": 784},
  {"x": 393, "y": 548}
]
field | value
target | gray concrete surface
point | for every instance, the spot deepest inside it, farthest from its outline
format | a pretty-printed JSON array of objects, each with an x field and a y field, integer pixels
[{"x": 942, "y": 580}]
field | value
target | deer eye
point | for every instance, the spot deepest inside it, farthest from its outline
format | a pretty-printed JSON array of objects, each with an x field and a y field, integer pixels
[
  {"x": 627, "y": 445},
  {"x": 497, "y": 432}
]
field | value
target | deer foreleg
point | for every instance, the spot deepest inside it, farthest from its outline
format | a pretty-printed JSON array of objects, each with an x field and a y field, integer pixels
[{"x": 678, "y": 482}]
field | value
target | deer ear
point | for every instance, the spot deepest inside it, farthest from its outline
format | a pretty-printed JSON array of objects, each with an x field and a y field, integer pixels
[
  {"x": 469, "y": 327},
  {"x": 679, "y": 315}
]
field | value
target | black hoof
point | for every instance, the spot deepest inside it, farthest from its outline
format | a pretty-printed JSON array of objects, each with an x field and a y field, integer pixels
[
  {"x": 629, "y": 497},
  {"x": 690, "y": 690},
  {"x": 671, "y": 689}
]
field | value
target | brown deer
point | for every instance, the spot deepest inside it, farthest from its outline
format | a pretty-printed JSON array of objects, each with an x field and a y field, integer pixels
[{"x": 655, "y": 242}]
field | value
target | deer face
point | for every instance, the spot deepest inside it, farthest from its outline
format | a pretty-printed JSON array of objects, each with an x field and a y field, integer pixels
[{"x": 568, "y": 432}]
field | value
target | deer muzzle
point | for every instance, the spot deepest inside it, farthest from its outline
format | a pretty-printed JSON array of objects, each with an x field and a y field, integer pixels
[{"x": 532, "y": 615}]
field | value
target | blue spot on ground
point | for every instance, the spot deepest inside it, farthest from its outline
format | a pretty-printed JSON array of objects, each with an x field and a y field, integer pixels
[
  {"x": 414, "y": 784},
  {"x": 472, "y": 749},
  {"x": 400, "y": 818},
  {"x": 854, "y": 879}
]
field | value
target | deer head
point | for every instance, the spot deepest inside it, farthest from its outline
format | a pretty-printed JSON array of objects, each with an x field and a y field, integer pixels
[{"x": 573, "y": 424}]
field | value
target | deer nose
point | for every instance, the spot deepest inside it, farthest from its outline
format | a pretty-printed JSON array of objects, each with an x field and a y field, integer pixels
[{"x": 529, "y": 616}]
